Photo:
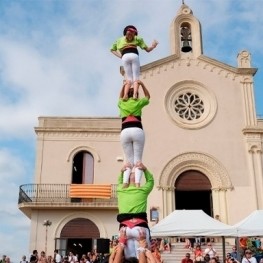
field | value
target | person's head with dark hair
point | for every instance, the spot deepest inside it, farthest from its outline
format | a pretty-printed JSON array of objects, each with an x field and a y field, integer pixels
[
  {"x": 130, "y": 28},
  {"x": 130, "y": 93}
]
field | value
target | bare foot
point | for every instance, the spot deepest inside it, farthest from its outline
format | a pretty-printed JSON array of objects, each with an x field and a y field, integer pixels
[{"x": 125, "y": 185}]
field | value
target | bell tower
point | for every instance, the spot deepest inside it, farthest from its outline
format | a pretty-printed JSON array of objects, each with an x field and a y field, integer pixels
[{"x": 185, "y": 33}]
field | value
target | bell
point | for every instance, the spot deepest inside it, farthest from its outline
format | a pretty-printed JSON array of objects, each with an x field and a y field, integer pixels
[{"x": 186, "y": 47}]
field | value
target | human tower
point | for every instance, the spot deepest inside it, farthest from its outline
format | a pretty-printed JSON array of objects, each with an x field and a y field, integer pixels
[{"x": 132, "y": 196}]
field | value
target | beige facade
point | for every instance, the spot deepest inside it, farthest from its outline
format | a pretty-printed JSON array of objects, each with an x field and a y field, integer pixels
[{"x": 201, "y": 120}]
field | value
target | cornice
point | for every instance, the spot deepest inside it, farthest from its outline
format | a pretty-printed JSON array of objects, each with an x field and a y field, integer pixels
[
  {"x": 78, "y": 125},
  {"x": 203, "y": 61},
  {"x": 160, "y": 62},
  {"x": 252, "y": 130},
  {"x": 234, "y": 70}
]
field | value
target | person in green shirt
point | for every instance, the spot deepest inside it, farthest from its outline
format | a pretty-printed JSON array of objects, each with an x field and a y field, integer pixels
[
  {"x": 132, "y": 134},
  {"x": 126, "y": 48},
  {"x": 132, "y": 205}
]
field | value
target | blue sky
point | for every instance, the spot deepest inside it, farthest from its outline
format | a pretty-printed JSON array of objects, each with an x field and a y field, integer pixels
[{"x": 55, "y": 61}]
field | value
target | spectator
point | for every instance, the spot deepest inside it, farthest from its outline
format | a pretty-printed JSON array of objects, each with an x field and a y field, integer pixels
[
  {"x": 3, "y": 259},
  {"x": 43, "y": 257},
  {"x": 34, "y": 256},
  {"x": 24, "y": 259},
  {"x": 57, "y": 256},
  {"x": 206, "y": 258},
  {"x": 248, "y": 257},
  {"x": 213, "y": 260},
  {"x": 210, "y": 250},
  {"x": 235, "y": 254},
  {"x": 228, "y": 258},
  {"x": 198, "y": 253},
  {"x": 72, "y": 258},
  {"x": 50, "y": 259},
  {"x": 187, "y": 259}
]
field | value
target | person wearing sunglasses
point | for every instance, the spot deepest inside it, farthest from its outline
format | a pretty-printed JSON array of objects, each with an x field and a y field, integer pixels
[{"x": 248, "y": 257}]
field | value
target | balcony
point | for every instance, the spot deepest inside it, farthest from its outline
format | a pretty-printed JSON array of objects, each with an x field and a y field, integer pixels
[{"x": 57, "y": 196}]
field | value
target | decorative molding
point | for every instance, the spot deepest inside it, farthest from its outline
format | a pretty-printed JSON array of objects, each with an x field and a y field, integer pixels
[
  {"x": 95, "y": 219},
  {"x": 205, "y": 63},
  {"x": 254, "y": 142},
  {"x": 202, "y": 162},
  {"x": 78, "y": 135}
]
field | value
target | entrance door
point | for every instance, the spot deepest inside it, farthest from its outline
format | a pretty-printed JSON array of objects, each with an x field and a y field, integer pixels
[
  {"x": 193, "y": 191},
  {"x": 77, "y": 237},
  {"x": 79, "y": 246}
]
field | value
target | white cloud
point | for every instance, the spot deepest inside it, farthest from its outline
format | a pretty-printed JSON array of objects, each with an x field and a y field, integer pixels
[{"x": 14, "y": 225}]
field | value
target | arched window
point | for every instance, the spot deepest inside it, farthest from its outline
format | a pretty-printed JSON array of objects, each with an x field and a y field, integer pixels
[{"x": 83, "y": 168}]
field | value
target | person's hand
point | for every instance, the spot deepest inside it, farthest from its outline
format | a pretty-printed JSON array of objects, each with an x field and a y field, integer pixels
[
  {"x": 142, "y": 234},
  {"x": 123, "y": 237},
  {"x": 155, "y": 43},
  {"x": 141, "y": 166},
  {"x": 127, "y": 165}
]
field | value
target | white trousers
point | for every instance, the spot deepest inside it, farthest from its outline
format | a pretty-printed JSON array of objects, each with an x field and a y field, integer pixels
[
  {"x": 132, "y": 140},
  {"x": 132, "y": 245},
  {"x": 131, "y": 65}
]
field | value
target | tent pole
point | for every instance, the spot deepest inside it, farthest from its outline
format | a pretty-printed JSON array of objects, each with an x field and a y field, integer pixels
[{"x": 224, "y": 248}]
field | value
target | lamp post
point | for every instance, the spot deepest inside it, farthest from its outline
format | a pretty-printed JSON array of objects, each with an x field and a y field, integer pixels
[{"x": 46, "y": 223}]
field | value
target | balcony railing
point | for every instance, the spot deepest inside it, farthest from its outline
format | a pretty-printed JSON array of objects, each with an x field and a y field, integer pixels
[{"x": 57, "y": 194}]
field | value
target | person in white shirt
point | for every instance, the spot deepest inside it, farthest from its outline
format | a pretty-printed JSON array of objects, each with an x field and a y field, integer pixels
[
  {"x": 248, "y": 257},
  {"x": 57, "y": 256},
  {"x": 72, "y": 258},
  {"x": 211, "y": 251},
  {"x": 24, "y": 259}
]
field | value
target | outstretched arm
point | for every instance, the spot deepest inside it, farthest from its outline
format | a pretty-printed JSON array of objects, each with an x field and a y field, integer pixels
[
  {"x": 145, "y": 90},
  {"x": 152, "y": 47}
]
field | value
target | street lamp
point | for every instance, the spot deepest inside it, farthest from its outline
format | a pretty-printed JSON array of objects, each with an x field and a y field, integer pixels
[{"x": 46, "y": 223}]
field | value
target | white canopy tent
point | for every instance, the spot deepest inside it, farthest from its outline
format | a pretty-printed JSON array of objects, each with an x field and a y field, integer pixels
[
  {"x": 191, "y": 223},
  {"x": 250, "y": 226}
]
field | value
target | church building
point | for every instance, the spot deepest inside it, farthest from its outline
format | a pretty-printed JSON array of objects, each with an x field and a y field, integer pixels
[{"x": 203, "y": 146}]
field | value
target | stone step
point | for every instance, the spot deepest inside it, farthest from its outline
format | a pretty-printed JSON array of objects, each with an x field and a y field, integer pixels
[{"x": 178, "y": 251}]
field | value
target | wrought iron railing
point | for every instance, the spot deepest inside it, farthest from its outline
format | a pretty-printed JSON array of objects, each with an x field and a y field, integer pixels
[{"x": 56, "y": 193}]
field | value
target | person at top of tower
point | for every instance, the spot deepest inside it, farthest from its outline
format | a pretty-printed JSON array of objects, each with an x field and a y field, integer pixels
[
  {"x": 126, "y": 48},
  {"x": 132, "y": 135},
  {"x": 132, "y": 205}
]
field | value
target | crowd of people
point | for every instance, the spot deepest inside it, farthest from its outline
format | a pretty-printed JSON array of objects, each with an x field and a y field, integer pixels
[{"x": 209, "y": 254}]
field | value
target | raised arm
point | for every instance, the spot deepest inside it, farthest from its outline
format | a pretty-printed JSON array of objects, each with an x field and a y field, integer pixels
[
  {"x": 145, "y": 90},
  {"x": 148, "y": 176},
  {"x": 152, "y": 47},
  {"x": 122, "y": 91}
]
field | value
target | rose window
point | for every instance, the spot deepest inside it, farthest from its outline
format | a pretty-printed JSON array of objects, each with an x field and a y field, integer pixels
[{"x": 189, "y": 106}]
